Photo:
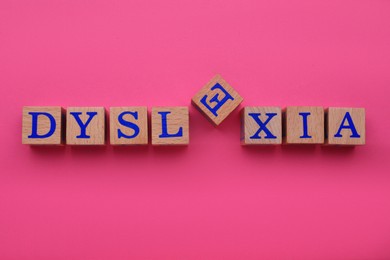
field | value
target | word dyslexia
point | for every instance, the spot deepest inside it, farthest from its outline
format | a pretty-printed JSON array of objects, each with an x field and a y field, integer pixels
[{"x": 170, "y": 125}]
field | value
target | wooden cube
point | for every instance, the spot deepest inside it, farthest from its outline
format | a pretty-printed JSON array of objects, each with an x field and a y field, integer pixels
[
  {"x": 304, "y": 125},
  {"x": 42, "y": 125},
  {"x": 216, "y": 100},
  {"x": 346, "y": 126},
  {"x": 128, "y": 125},
  {"x": 261, "y": 125},
  {"x": 170, "y": 126},
  {"x": 85, "y": 126}
]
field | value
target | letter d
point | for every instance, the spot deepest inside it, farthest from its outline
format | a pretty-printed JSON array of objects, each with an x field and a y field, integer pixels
[{"x": 34, "y": 125}]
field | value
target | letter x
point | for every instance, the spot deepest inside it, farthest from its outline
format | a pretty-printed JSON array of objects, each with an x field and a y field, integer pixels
[{"x": 262, "y": 126}]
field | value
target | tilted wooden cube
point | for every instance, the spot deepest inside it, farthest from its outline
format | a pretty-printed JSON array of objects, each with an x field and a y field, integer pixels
[
  {"x": 261, "y": 125},
  {"x": 85, "y": 126},
  {"x": 42, "y": 125},
  {"x": 346, "y": 126},
  {"x": 128, "y": 125},
  {"x": 304, "y": 125},
  {"x": 170, "y": 126},
  {"x": 216, "y": 100}
]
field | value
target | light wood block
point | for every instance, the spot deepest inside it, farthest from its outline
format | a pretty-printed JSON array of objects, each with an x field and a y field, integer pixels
[
  {"x": 304, "y": 125},
  {"x": 89, "y": 130},
  {"x": 216, "y": 100},
  {"x": 170, "y": 126},
  {"x": 128, "y": 125},
  {"x": 261, "y": 125},
  {"x": 346, "y": 126},
  {"x": 42, "y": 125}
]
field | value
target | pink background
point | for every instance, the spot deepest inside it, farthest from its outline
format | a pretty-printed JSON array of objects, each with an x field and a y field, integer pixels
[{"x": 213, "y": 199}]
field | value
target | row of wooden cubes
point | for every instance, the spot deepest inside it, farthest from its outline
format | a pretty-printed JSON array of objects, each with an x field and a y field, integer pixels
[
  {"x": 87, "y": 125},
  {"x": 303, "y": 125},
  {"x": 170, "y": 125}
]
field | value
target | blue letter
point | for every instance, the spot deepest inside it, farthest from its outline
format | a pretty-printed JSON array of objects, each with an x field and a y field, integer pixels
[
  {"x": 34, "y": 125},
  {"x": 215, "y": 99},
  {"x": 268, "y": 134},
  {"x": 304, "y": 118},
  {"x": 128, "y": 124},
  {"x": 164, "y": 131},
  {"x": 350, "y": 125},
  {"x": 83, "y": 127}
]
